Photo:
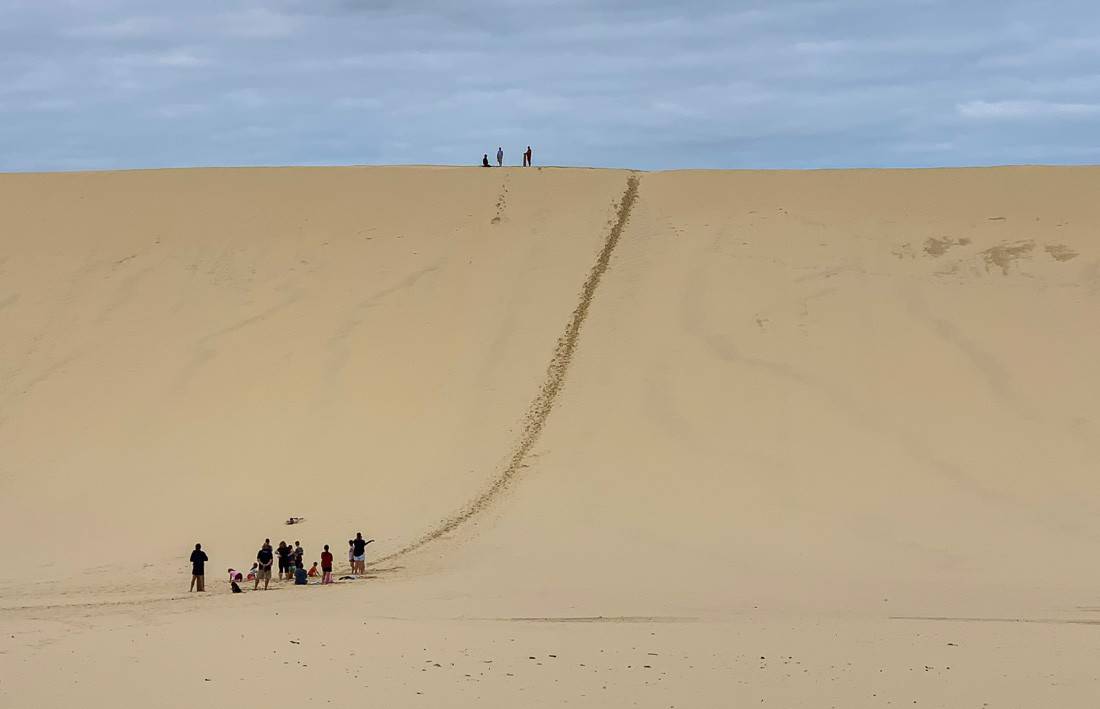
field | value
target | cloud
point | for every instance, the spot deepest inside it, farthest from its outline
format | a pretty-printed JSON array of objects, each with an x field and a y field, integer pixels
[
  {"x": 1025, "y": 109},
  {"x": 247, "y": 98},
  {"x": 126, "y": 28},
  {"x": 256, "y": 23},
  {"x": 181, "y": 110},
  {"x": 175, "y": 58},
  {"x": 179, "y": 58},
  {"x": 51, "y": 104},
  {"x": 357, "y": 103},
  {"x": 640, "y": 83}
]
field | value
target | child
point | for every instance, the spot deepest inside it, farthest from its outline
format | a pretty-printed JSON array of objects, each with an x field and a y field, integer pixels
[
  {"x": 313, "y": 572},
  {"x": 326, "y": 566},
  {"x": 235, "y": 575},
  {"x": 252, "y": 572}
]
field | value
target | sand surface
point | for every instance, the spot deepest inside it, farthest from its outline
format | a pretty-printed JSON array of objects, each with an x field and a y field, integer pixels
[{"x": 691, "y": 439}]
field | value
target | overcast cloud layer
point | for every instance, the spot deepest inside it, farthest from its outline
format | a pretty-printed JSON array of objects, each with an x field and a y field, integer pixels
[{"x": 90, "y": 84}]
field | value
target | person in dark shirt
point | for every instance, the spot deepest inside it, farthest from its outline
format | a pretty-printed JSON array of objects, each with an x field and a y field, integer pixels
[
  {"x": 358, "y": 551},
  {"x": 485, "y": 160},
  {"x": 326, "y": 566},
  {"x": 198, "y": 569},
  {"x": 527, "y": 157},
  {"x": 298, "y": 556},
  {"x": 264, "y": 557},
  {"x": 283, "y": 553}
]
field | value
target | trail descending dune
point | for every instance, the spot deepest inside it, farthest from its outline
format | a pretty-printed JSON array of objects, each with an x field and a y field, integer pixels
[{"x": 539, "y": 410}]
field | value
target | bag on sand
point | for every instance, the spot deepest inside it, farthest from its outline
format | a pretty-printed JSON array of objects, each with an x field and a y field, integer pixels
[{"x": 300, "y": 577}]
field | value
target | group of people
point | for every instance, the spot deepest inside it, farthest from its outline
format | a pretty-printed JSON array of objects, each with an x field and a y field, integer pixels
[
  {"x": 500, "y": 158},
  {"x": 291, "y": 561}
]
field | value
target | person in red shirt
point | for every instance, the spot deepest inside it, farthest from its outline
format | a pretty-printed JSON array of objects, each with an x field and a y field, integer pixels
[{"x": 326, "y": 566}]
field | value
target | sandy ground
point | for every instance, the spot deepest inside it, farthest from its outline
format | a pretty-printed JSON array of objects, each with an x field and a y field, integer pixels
[{"x": 692, "y": 439}]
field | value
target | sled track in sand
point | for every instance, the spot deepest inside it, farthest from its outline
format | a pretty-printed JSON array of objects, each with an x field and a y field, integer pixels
[{"x": 539, "y": 410}]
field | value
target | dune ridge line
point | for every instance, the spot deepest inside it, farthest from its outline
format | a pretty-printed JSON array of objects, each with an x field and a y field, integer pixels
[{"x": 539, "y": 409}]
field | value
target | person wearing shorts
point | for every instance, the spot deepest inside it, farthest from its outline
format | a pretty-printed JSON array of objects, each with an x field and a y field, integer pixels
[
  {"x": 359, "y": 553},
  {"x": 326, "y": 566},
  {"x": 264, "y": 559}
]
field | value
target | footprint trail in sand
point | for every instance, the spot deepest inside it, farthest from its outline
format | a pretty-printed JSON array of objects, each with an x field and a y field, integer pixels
[{"x": 539, "y": 411}]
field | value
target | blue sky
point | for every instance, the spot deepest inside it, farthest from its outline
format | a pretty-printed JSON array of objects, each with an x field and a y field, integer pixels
[{"x": 100, "y": 84}]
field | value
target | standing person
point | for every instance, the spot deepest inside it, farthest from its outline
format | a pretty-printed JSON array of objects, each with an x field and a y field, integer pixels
[
  {"x": 264, "y": 558},
  {"x": 283, "y": 554},
  {"x": 359, "y": 547},
  {"x": 198, "y": 568},
  {"x": 485, "y": 160},
  {"x": 299, "y": 556},
  {"x": 326, "y": 566},
  {"x": 527, "y": 157},
  {"x": 500, "y": 156}
]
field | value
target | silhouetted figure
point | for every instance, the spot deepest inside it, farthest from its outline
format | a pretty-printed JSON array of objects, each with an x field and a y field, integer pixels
[
  {"x": 359, "y": 553},
  {"x": 485, "y": 160},
  {"x": 500, "y": 156},
  {"x": 527, "y": 157},
  {"x": 326, "y": 566},
  {"x": 284, "y": 552},
  {"x": 264, "y": 559},
  {"x": 198, "y": 569}
]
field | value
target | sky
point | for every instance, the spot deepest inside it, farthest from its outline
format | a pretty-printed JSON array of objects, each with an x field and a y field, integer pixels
[{"x": 648, "y": 84}]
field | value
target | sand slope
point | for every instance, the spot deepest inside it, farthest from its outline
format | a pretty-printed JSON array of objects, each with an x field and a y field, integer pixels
[{"x": 730, "y": 410}]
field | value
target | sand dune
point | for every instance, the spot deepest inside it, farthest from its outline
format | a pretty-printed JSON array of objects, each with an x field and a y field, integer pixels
[{"x": 706, "y": 437}]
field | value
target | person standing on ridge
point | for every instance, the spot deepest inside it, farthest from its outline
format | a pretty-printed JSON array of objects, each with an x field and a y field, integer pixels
[
  {"x": 500, "y": 156},
  {"x": 527, "y": 157},
  {"x": 198, "y": 569}
]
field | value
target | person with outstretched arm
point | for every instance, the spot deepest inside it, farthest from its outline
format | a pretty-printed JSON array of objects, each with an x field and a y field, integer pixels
[
  {"x": 198, "y": 569},
  {"x": 359, "y": 553}
]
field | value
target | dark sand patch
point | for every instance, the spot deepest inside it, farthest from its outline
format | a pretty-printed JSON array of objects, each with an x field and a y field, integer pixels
[
  {"x": 1060, "y": 252},
  {"x": 1003, "y": 255}
]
